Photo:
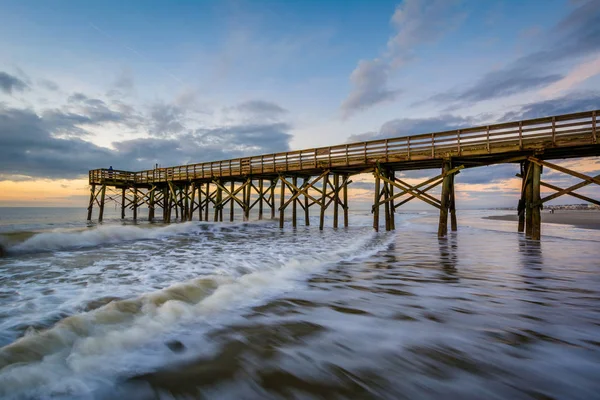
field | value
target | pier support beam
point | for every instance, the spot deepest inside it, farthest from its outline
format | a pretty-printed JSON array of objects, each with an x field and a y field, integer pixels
[{"x": 445, "y": 200}]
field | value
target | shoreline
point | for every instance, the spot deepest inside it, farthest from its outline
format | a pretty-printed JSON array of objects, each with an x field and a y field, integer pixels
[{"x": 577, "y": 218}]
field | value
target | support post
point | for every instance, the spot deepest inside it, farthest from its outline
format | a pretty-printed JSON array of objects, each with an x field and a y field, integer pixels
[
  {"x": 231, "y": 202},
  {"x": 217, "y": 205},
  {"x": 536, "y": 200},
  {"x": 261, "y": 198},
  {"x": 294, "y": 203},
  {"x": 522, "y": 200},
  {"x": 445, "y": 197},
  {"x": 281, "y": 203},
  {"x": 323, "y": 198},
  {"x": 207, "y": 201},
  {"x": 123, "y": 198},
  {"x": 392, "y": 177},
  {"x": 306, "y": 206},
  {"x": 151, "y": 205},
  {"x": 135, "y": 203},
  {"x": 200, "y": 209},
  {"x": 91, "y": 203},
  {"x": 102, "y": 196},
  {"x": 166, "y": 205},
  {"x": 528, "y": 201},
  {"x": 386, "y": 195},
  {"x": 336, "y": 199},
  {"x": 376, "y": 200},
  {"x": 453, "y": 222},
  {"x": 247, "y": 195},
  {"x": 273, "y": 184},
  {"x": 345, "y": 194},
  {"x": 192, "y": 201}
]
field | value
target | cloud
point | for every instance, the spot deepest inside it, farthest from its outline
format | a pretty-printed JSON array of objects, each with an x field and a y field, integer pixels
[
  {"x": 10, "y": 83},
  {"x": 260, "y": 107},
  {"x": 574, "y": 102},
  {"x": 412, "y": 21},
  {"x": 370, "y": 80},
  {"x": 579, "y": 74},
  {"x": 167, "y": 119},
  {"x": 413, "y": 126},
  {"x": 576, "y": 36},
  {"x": 49, "y": 85},
  {"x": 29, "y": 146}
]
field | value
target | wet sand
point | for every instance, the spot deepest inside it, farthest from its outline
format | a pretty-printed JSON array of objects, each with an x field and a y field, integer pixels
[{"x": 578, "y": 218}]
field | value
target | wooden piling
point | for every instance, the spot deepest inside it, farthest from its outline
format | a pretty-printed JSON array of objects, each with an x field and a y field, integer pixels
[
  {"x": 135, "y": 203},
  {"x": 345, "y": 195},
  {"x": 232, "y": 202},
  {"x": 192, "y": 201},
  {"x": 392, "y": 177},
  {"x": 323, "y": 198},
  {"x": 536, "y": 205},
  {"x": 273, "y": 184},
  {"x": 247, "y": 199},
  {"x": 376, "y": 201},
  {"x": 453, "y": 222},
  {"x": 200, "y": 200},
  {"x": 151, "y": 205},
  {"x": 91, "y": 203},
  {"x": 336, "y": 199},
  {"x": 208, "y": 200},
  {"x": 445, "y": 197},
  {"x": 218, "y": 203},
  {"x": 386, "y": 195},
  {"x": 294, "y": 202},
  {"x": 306, "y": 206},
  {"x": 528, "y": 201},
  {"x": 521, "y": 206},
  {"x": 123, "y": 199},
  {"x": 281, "y": 203},
  {"x": 166, "y": 205},
  {"x": 102, "y": 198},
  {"x": 261, "y": 198}
]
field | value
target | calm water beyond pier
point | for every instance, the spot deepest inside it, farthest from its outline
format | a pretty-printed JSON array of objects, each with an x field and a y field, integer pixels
[{"x": 250, "y": 311}]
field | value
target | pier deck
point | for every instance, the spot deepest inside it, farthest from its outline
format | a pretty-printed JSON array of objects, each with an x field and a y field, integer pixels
[{"x": 528, "y": 142}]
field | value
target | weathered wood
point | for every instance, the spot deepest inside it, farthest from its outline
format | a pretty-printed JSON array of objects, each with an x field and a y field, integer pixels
[
  {"x": 248, "y": 194},
  {"x": 336, "y": 202},
  {"x": 91, "y": 203},
  {"x": 294, "y": 203},
  {"x": 576, "y": 195},
  {"x": 272, "y": 197},
  {"x": 392, "y": 176},
  {"x": 529, "y": 201},
  {"x": 376, "y": 201},
  {"x": 261, "y": 198},
  {"x": 421, "y": 191},
  {"x": 523, "y": 198},
  {"x": 123, "y": 203},
  {"x": 102, "y": 198},
  {"x": 232, "y": 203},
  {"x": 306, "y": 206},
  {"x": 135, "y": 203},
  {"x": 536, "y": 217},
  {"x": 323, "y": 197},
  {"x": 281, "y": 202},
  {"x": 453, "y": 222},
  {"x": 445, "y": 197},
  {"x": 151, "y": 205}
]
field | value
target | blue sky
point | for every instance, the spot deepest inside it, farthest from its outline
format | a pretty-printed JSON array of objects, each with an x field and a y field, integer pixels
[{"x": 84, "y": 84}]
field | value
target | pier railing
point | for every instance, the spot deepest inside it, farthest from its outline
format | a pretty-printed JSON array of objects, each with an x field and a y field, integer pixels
[{"x": 534, "y": 134}]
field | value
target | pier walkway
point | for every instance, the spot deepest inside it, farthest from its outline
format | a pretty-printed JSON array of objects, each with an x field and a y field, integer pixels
[{"x": 325, "y": 174}]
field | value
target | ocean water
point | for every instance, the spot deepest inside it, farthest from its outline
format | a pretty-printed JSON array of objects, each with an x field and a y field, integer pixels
[{"x": 249, "y": 311}]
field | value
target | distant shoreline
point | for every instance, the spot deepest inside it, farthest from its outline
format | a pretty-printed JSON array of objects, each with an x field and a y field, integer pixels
[{"x": 577, "y": 218}]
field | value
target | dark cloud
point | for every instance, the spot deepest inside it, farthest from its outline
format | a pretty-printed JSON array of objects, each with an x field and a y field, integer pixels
[
  {"x": 29, "y": 146},
  {"x": 576, "y": 36},
  {"x": 260, "y": 107},
  {"x": 167, "y": 119},
  {"x": 10, "y": 83}
]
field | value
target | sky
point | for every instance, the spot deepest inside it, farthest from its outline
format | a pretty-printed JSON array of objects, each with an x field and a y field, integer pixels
[{"x": 85, "y": 85}]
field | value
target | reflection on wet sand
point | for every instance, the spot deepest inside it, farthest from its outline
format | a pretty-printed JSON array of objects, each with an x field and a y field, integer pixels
[{"x": 456, "y": 318}]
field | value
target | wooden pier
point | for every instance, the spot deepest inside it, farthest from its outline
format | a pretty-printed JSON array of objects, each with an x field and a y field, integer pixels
[{"x": 319, "y": 177}]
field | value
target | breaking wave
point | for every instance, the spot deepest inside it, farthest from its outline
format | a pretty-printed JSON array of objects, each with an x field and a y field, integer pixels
[{"x": 60, "y": 359}]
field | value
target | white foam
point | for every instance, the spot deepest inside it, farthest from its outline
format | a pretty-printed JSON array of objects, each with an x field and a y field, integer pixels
[{"x": 88, "y": 350}]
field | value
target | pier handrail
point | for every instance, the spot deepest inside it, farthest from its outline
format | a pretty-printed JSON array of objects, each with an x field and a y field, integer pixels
[{"x": 533, "y": 134}]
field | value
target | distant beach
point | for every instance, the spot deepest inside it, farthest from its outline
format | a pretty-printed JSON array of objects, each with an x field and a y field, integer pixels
[{"x": 578, "y": 218}]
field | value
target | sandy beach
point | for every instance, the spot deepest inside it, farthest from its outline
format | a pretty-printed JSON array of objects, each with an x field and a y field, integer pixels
[{"x": 578, "y": 218}]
